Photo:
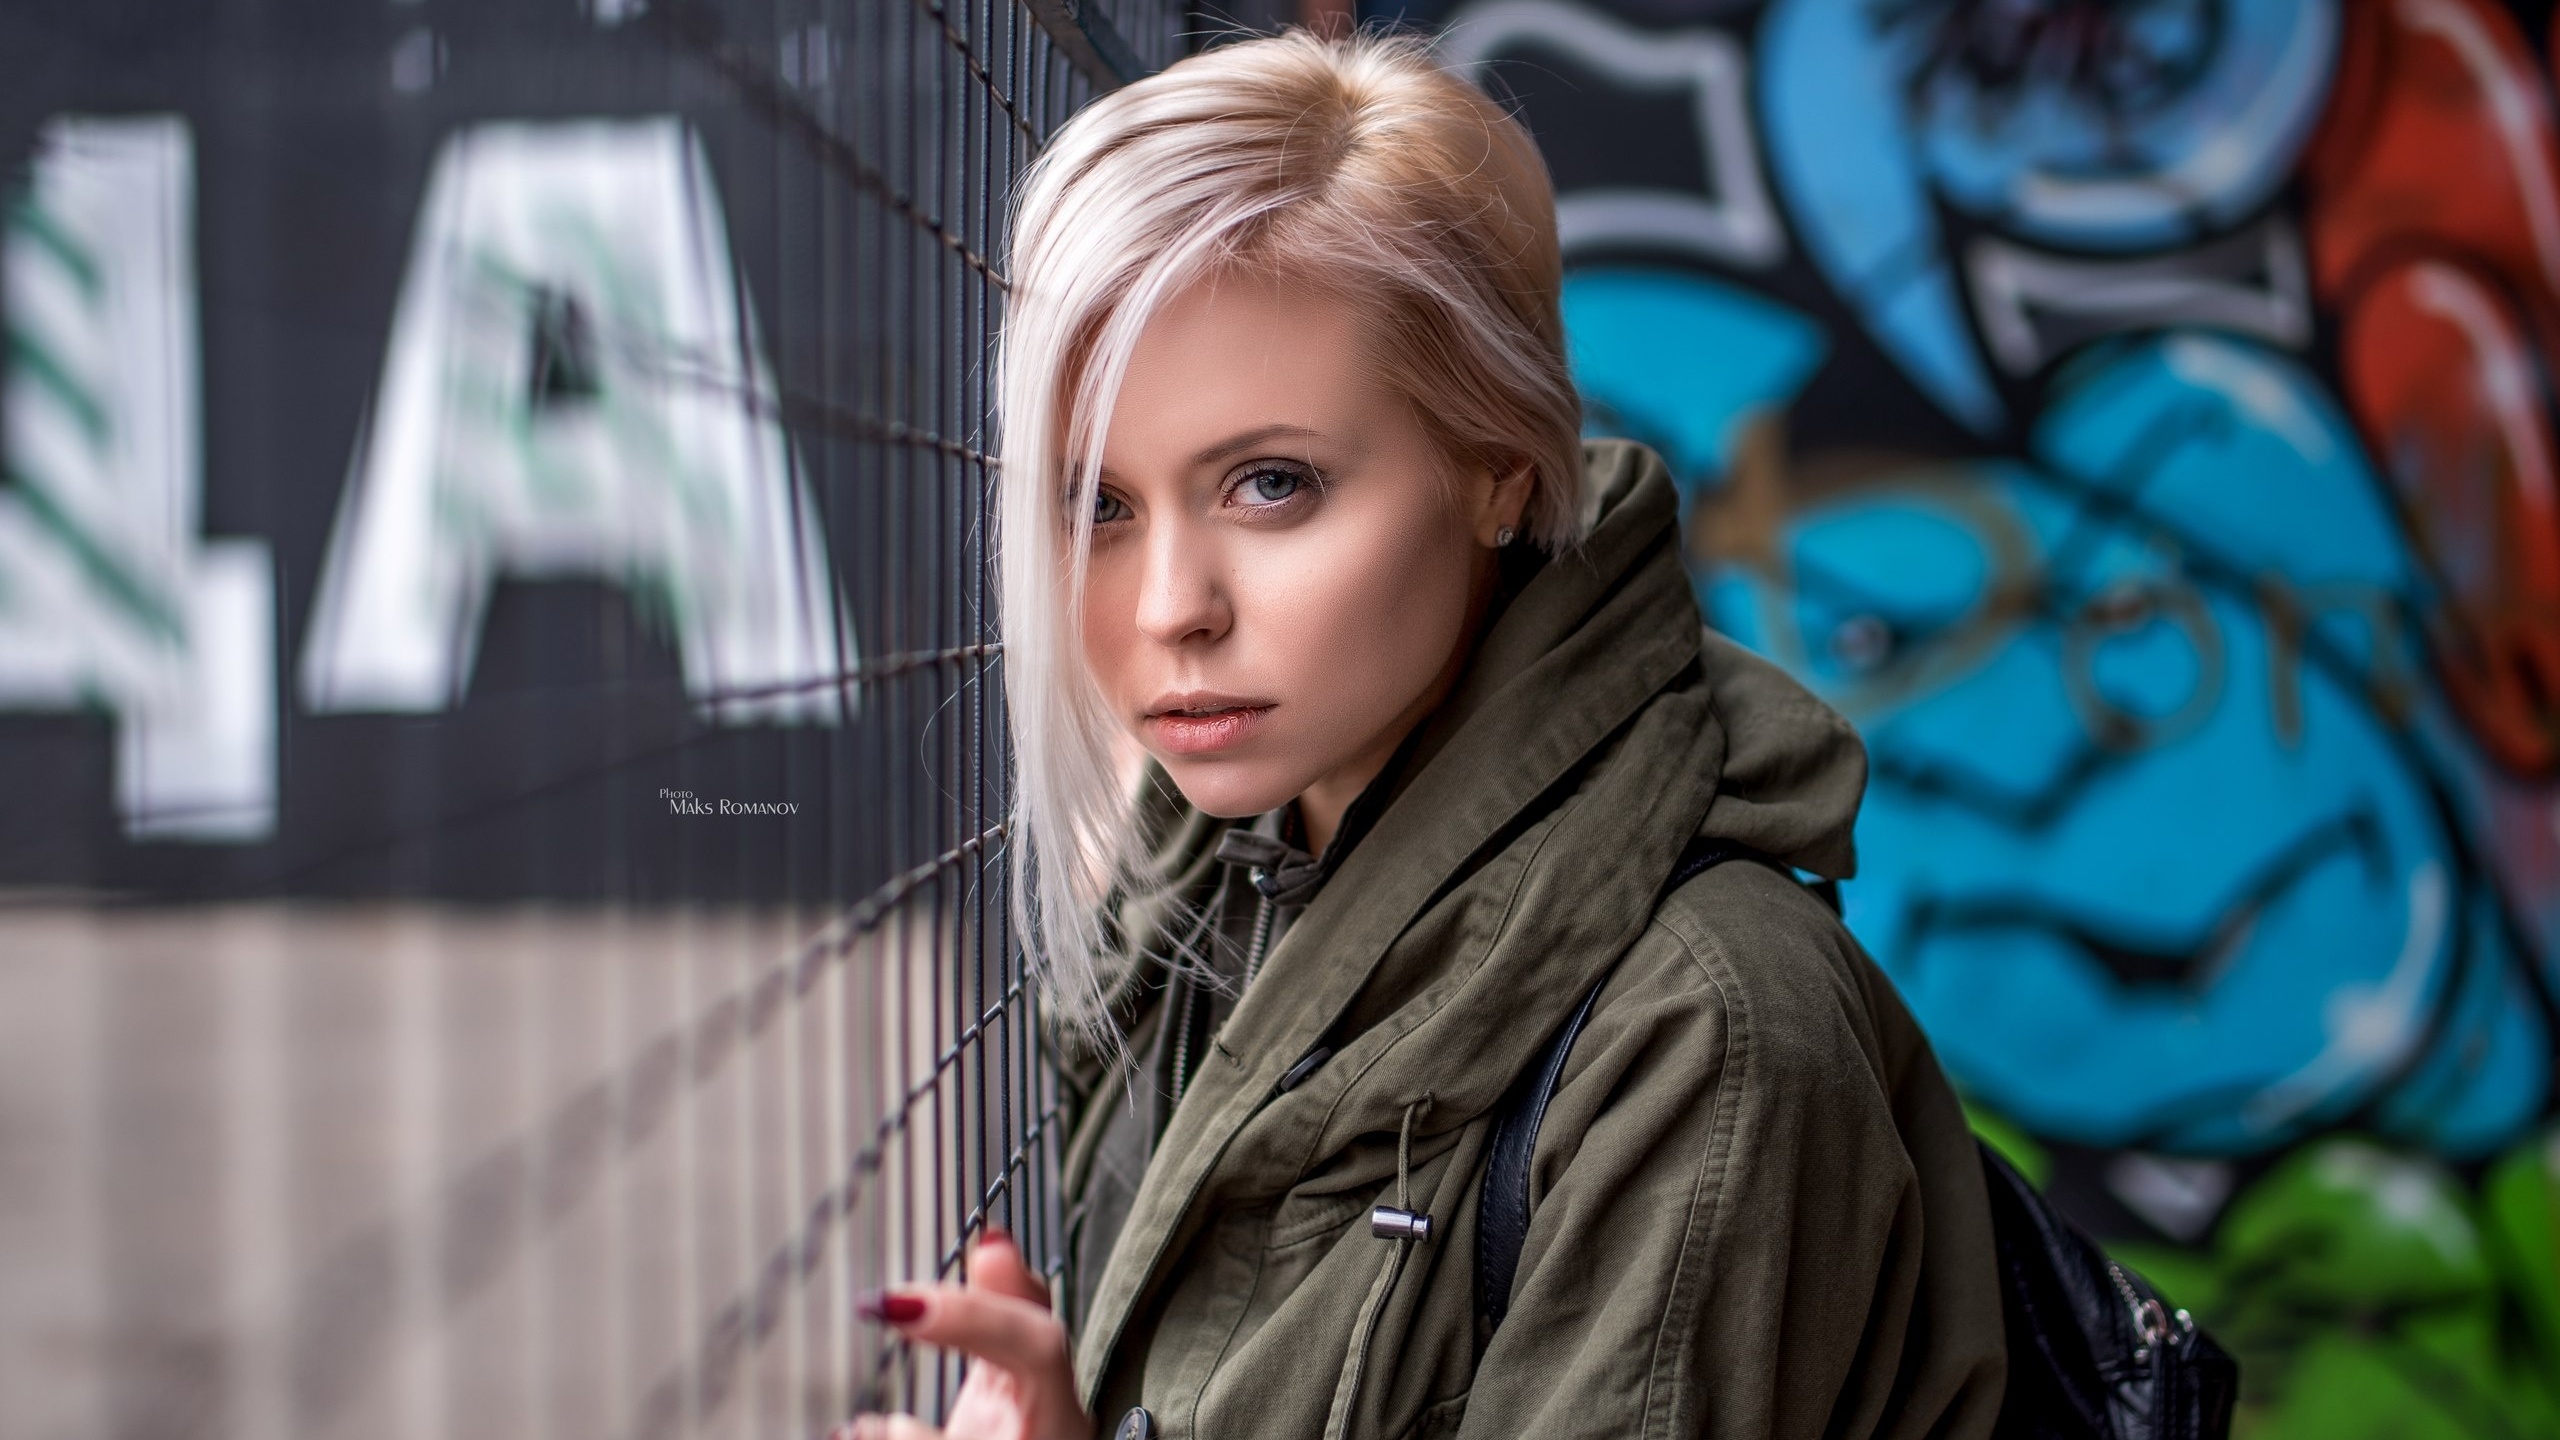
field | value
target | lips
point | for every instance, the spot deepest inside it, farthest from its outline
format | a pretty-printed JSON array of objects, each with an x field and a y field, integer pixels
[{"x": 1203, "y": 724}]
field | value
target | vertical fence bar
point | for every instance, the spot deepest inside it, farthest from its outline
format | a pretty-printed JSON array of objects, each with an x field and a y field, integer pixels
[{"x": 570, "y": 1151}]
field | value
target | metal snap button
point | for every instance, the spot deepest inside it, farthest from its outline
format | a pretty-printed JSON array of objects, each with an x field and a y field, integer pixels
[{"x": 1136, "y": 1425}]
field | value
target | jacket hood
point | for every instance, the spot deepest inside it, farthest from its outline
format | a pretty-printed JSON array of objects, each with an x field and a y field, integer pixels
[
  {"x": 1787, "y": 770},
  {"x": 1793, "y": 769},
  {"x": 1522, "y": 850}
]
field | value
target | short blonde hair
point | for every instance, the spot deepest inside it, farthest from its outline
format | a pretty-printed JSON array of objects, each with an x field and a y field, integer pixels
[{"x": 1356, "y": 167}]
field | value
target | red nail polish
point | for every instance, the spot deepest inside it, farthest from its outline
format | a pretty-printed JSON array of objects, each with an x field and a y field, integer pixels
[{"x": 887, "y": 1308}]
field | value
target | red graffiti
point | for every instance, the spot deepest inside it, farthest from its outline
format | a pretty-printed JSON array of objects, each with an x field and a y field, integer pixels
[{"x": 2433, "y": 192}]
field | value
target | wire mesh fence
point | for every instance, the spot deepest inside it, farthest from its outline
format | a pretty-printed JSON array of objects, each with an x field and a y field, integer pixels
[{"x": 506, "y": 927}]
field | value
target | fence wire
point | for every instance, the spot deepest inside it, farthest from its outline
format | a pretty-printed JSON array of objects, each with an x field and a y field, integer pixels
[{"x": 566, "y": 1056}]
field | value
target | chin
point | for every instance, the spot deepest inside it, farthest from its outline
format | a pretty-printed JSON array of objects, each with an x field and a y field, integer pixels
[{"x": 1228, "y": 789}]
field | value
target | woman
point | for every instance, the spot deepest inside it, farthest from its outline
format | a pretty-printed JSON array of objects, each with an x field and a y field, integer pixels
[{"x": 1294, "y": 504}]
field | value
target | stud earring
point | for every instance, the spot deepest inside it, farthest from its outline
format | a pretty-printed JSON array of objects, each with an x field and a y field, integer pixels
[{"x": 1503, "y": 536}]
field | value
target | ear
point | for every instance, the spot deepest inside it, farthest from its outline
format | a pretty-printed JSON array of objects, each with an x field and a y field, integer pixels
[{"x": 1504, "y": 501}]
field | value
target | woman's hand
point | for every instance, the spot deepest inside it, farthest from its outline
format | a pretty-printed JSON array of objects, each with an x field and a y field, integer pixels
[{"x": 1021, "y": 1383}]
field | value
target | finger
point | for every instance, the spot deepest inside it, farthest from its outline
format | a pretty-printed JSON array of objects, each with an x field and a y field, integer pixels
[
  {"x": 1016, "y": 1334},
  {"x": 885, "y": 1427},
  {"x": 995, "y": 1263}
]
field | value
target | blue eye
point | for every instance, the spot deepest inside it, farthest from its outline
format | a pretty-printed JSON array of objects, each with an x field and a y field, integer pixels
[
  {"x": 1108, "y": 507},
  {"x": 1268, "y": 486}
]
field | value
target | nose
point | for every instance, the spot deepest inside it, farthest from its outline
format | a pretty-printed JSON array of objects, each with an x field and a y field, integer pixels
[{"x": 1183, "y": 597}]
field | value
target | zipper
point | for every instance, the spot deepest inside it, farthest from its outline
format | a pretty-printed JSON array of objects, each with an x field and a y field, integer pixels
[
  {"x": 2150, "y": 1317},
  {"x": 1261, "y": 937},
  {"x": 1183, "y": 1011},
  {"x": 1186, "y": 1014},
  {"x": 1182, "y": 1036}
]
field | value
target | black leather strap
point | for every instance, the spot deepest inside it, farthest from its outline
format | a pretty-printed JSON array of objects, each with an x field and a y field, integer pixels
[{"x": 1502, "y": 1222}]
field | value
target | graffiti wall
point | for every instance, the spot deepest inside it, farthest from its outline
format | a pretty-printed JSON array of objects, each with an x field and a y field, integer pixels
[
  {"x": 441, "y": 442},
  {"x": 2138, "y": 416}
]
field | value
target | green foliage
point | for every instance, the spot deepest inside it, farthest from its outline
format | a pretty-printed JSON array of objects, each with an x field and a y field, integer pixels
[
  {"x": 2371, "y": 1295},
  {"x": 2015, "y": 1145},
  {"x": 2521, "y": 1205}
]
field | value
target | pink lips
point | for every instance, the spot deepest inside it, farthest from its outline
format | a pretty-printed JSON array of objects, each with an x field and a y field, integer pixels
[{"x": 1203, "y": 724}]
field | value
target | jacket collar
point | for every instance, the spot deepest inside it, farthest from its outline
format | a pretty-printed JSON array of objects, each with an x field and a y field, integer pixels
[{"x": 1287, "y": 875}]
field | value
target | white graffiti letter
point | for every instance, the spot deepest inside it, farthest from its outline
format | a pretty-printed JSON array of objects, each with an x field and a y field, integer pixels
[
  {"x": 574, "y": 387},
  {"x": 108, "y": 598}
]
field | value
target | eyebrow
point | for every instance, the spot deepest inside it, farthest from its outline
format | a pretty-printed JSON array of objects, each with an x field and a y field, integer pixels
[{"x": 1260, "y": 434}]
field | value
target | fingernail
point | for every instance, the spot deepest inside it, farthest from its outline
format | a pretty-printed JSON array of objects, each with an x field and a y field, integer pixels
[
  {"x": 886, "y": 1307},
  {"x": 996, "y": 1235}
]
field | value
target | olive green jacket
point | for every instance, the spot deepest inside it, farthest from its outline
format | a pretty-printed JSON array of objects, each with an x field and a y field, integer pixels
[{"x": 1756, "y": 1211}]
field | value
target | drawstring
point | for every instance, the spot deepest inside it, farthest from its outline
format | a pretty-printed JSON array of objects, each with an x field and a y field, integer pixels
[
  {"x": 1404, "y": 1157},
  {"x": 1400, "y": 1221},
  {"x": 1397, "y": 1222},
  {"x": 1404, "y": 1152}
]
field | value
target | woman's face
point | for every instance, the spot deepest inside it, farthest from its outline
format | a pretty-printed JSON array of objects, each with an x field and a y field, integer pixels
[{"x": 1282, "y": 581}]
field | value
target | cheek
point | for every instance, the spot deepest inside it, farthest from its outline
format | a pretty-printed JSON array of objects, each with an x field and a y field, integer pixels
[
  {"x": 1108, "y": 625},
  {"x": 1370, "y": 614}
]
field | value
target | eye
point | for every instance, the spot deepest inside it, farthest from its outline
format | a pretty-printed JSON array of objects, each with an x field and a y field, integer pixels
[
  {"x": 1108, "y": 507},
  {"x": 1264, "y": 485}
]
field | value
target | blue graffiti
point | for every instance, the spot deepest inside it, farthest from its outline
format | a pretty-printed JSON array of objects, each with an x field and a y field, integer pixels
[
  {"x": 2114, "y": 127},
  {"x": 2137, "y": 126},
  {"x": 2152, "y": 846},
  {"x": 1842, "y": 155},
  {"x": 2146, "y": 848},
  {"x": 1677, "y": 360}
]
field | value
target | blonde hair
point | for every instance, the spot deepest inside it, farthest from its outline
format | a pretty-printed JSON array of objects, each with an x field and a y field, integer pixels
[{"x": 1356, "y": 167}]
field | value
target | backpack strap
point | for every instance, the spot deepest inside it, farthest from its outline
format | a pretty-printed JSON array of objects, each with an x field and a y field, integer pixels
[{"x": 1502, "y": 1221}]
